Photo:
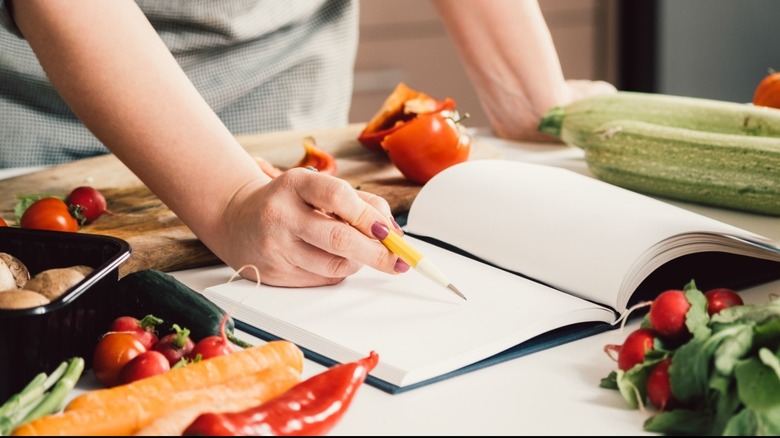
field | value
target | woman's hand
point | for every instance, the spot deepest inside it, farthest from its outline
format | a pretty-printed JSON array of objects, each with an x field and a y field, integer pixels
[
  {"x": 303, "y": 228},
  {"x": 517, "y": 119}
]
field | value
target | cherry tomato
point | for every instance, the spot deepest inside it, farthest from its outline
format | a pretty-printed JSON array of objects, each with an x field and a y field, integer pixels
[
  {"x": 768, "y": 91},
  {"x": 143, "y": 329},
  {"x": 114, "y": 350},
  {"x": 147, "y": 364},
  {"x": 49, "y": 214},
  {"x": 426, "y": 145},
  {"x": 317, "y": 158},
  {"x": 721, "y": 298}
]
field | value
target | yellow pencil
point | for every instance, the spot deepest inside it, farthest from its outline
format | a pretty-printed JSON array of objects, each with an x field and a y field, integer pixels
[{"x": 400, "y": 247}]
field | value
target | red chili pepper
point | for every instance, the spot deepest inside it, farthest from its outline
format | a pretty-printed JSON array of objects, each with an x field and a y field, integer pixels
[{"x": 311, "y": 407}]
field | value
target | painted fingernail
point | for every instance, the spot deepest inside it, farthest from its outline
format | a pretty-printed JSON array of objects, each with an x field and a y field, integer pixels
[
  {"x": 395, "y": 224},
  {"x": 401, "y": 266},
  {"x": 380, "y": 230}
]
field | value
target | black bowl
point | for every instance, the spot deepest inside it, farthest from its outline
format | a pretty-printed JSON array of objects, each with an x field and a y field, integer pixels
[{"x": 38, "y": 339}]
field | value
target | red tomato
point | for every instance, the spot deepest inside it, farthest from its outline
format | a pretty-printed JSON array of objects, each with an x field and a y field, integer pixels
[
  {"x": 3, "y": 223},
  {"x": 721, "y": 298},
  {"x": 49, "y": 214},
  {"x": 426, "y": 145},
  {"x": 768, "y": 91},
  {"x": 113, "y": 351},
  {"x": 147, "y": 364}
]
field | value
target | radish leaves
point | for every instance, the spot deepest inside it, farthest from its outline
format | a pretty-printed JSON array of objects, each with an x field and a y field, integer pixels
[{"x": 724, "y": 376}]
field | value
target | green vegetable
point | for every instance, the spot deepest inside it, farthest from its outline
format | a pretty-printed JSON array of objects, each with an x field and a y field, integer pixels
[
  {"x": 731, "y": 171},
  {"x": 14, "y": 409},
  {"x": 725, "y": 379},
  {"x": 55, "y": 399},
  {"x": 708, "y": 152},
  {"x": 155, "y": 292},
  {"x": 44, "y": 395},
  {"x": 573, "y": 122}
]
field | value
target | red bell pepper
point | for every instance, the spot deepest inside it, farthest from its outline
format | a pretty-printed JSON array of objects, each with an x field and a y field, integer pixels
[
  {"x": 401, "y": 106},
  {"x": 311, "y": 407}
]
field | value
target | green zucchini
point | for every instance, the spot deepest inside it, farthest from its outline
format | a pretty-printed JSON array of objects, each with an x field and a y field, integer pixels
[
  {"x": 571, "y": 123},
  {"x": 160, "y": 294},
  {"x": 724, "y": 170}
]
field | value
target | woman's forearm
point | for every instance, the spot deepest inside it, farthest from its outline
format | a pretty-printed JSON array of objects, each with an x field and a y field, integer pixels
[
  {"x": 508, "y": 54},
  {"x": 112, "y": 69},
  {"x": 301, "y": 228}
]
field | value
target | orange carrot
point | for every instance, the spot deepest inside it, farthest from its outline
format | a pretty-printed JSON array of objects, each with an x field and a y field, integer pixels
[
  {"x": 127, "y": 417},
  {"x": 197, "y": 375},
  {"x": 173, "y": 423}
]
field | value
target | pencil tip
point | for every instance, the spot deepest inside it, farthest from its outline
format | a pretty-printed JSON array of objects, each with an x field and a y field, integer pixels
[{"x": 455, "y": 289}]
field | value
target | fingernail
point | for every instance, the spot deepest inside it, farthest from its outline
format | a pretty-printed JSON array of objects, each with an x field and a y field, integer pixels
[
  {"x": 401, "y": 266},
  {"x": 380, "y": 230},
  {"x": 395, "y": 224}
]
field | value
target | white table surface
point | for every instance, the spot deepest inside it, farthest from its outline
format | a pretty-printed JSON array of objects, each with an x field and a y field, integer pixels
[{"x": 552, "y": 392}]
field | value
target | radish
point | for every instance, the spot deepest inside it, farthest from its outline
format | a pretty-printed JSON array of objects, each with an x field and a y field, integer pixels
[
  {"x": 92, "y": 203},
  {"x": 143, "y": 329},
  {"x": 667, "y": 314},
  {"x": 721, "y": 298},
  {"x": 175, "y": 346},
  {"x": 659, "y": 389},
  {"x": 147, "y": 364},
  {"x": 213, "y": 346},
  {"x": 634, "y": 348}
]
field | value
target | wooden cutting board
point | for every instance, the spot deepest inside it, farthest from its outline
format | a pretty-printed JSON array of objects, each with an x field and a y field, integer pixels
[{"x": 159, "y": 240}]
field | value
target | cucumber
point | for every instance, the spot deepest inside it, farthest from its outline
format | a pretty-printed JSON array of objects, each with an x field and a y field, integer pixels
[
  {"x": 573, "y": 122},
  {"x": 724, "y": 170},
  {"x": 157, "y": 293}
]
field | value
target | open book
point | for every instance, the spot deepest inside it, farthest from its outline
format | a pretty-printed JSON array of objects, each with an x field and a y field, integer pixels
[{"x": 544, "y": 254}]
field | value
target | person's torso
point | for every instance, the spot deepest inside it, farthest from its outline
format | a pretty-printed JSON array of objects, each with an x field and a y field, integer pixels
[{"x": 261, "y": 65}]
